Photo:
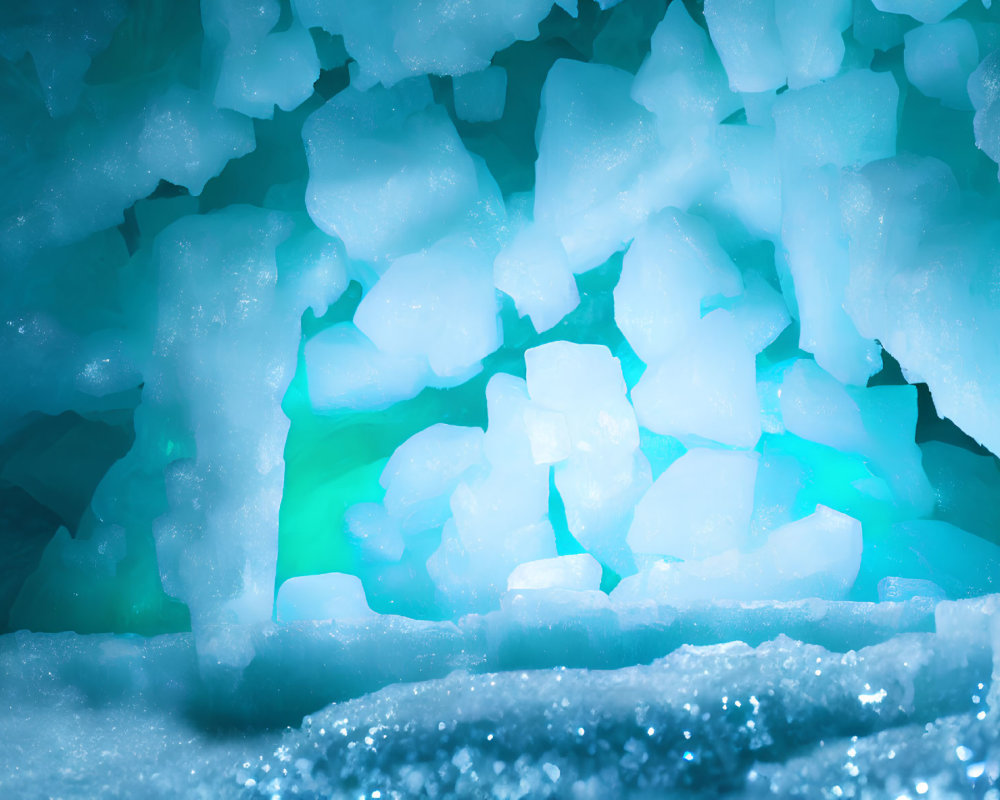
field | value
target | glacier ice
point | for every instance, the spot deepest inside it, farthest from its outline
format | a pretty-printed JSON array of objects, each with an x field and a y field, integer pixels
[{"x": 499, "y": 399}]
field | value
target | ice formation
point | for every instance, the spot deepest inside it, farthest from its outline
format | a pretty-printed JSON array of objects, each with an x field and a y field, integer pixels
[{"x": 581, "y": 399}]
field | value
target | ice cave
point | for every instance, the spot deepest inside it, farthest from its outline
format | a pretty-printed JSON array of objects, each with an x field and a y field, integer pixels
[{"x": 586, "y": 399}]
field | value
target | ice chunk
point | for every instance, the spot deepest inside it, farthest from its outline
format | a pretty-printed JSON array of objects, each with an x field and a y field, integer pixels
[
  {"x": 600, "y": 167},
  {"x": 817, "y": 255},
  {"x": 706, "y": 388},
  {"x": 810, "y": 34},
  {"x": 600, "y": 493},
  {"x": 394, "y": 39},
  {"x": 985, "y": 97},
  {"x": 376, "y": 533},
  {"x": 877, "y": 29},
  {"x": 500, "y": 516},
  {"x": 674, "y": 263},
  {"x": 939, "y": 59},
  {"x": 745, "y": 32},
  {"x": 753, "y": 193},
  {"x": 920, "y": 10},
  {"x": 818, "y": 556},
  {"x": 318, "y": 264},
  {"x": 816, "y": 407},
  {"x": 331, "y": 596},
  {"x": 480, "y": 96},
  {"x": 186, "y": 141},
  {"x": 700, "y": 506},
  {"x": 682, "y": 80},
  {"x": 346, "y": 371},
  {"x": 917, "y": 295},
  {"x": 847, "y": 121},
  {"x": 578, "y": 573},
  {"x": 760, "y": 313},
  {"x": 585, "y": 383},
  {"x": 425, "y": 469},
  {"x": 388, "y": 173},
  {"x": 258, "y": 67},
  {"x": 765, "y": 44},
  {"x": 605, "y": 472},
  {"x": 548, "y": 434},
  {"x": 438, "y": 305},
  {"x": 534, "y": 270}
]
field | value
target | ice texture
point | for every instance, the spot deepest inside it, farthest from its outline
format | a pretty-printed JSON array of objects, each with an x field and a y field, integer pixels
[{"x": 586, "y": 399}]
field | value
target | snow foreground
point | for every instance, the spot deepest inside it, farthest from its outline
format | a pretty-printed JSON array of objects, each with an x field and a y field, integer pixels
[
  {"x": 885, "y": 713},
  {"x": 491, "y": 370}
]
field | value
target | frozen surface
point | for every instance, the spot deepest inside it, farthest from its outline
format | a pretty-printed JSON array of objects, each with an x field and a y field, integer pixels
[
  {"x": 588, "y": 399},
  {"x": 619, "y": 728}
]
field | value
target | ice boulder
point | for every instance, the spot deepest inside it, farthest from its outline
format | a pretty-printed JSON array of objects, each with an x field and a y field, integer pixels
[
  {"x": 745, "y": 34},
  {"x": 815, "y": 406},
  {"x": 347, "y": 371},
  {"x": 847, "y": 121},
  {"x": 426, "y": 179},
  {"x": 535, "y": 271},
  {"x": 438, "y": 305},
  {"x": 600, "y": 164},
  {"x": 811, "y": 38},
  {"x": 985, "y": 97},
  {"x": 604, "y": 473},
  {"x": 423, "y": 472},
  {"x": 699, "y": 507},
  {"x": 939, "y": 59},
  {"x": 818, "y": 556},
  {"x": 706, "y": 388},
  {"x": 916, "y": 296},
  {"x": 765, "y": 44},
  {"x": 255, "y": 66},
  {"x": 817, "y": 254},
  {"x": 578, "y": 573},
  {"x": 672, "y": 266},
  {"x": 332, "y": 596},
  {"x": 682, "y": 80}
]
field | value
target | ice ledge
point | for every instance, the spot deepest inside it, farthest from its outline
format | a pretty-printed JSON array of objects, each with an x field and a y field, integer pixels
[
  {"x": 866, "y": 679},
  {"x": 293, "y": 669}
]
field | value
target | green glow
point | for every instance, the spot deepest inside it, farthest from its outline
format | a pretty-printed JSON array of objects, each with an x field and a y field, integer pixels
[{"x": 332, "y": 462}]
